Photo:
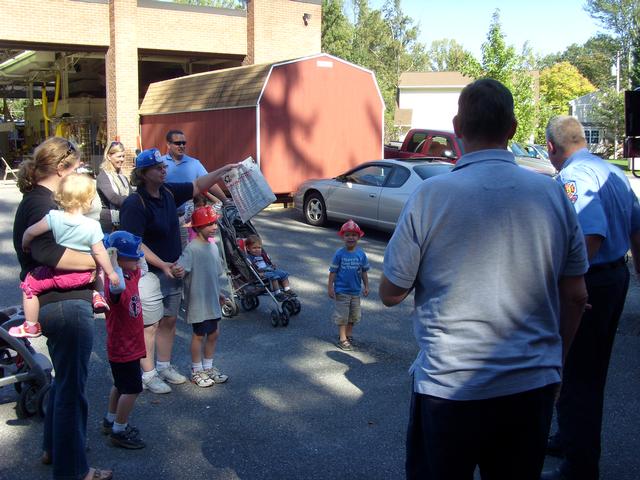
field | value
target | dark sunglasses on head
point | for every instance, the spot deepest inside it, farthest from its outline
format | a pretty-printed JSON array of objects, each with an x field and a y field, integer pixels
[
  {"x": 114, "y": 144},
  {"x": 70, "y": 150},
  {"x": 180, "y": 144}
]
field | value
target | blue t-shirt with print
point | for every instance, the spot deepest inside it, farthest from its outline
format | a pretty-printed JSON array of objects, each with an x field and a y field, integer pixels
[{"x": 348, "y": 267}]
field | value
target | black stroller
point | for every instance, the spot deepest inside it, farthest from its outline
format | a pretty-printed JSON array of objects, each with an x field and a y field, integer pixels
[
  {"x": 245, "y": 282},
  {"x": 21, "y": 366}
]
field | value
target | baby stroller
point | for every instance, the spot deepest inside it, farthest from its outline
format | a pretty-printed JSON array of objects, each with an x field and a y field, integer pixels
[
  {"x": 21, "y": 366},
  {"x": 246, "y": 283}
]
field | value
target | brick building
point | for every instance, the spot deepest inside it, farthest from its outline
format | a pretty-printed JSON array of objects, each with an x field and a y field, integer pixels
[{"x": 106, "y": 52}]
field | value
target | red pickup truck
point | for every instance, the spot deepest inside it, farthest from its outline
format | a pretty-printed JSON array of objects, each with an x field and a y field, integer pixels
[{"x": 422, "y": 142}]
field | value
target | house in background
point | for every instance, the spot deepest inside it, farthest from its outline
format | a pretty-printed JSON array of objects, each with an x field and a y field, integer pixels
[
  {"x": 428, "y": 99},
  {"x": 582, "y": 109}
]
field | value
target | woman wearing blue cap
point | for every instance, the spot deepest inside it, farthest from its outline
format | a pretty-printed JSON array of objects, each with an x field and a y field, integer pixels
[{"x": 151, "y": 213}]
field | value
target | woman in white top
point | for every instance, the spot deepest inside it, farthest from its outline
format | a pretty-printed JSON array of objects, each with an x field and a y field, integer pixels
[{"x": 113, "y": 186}]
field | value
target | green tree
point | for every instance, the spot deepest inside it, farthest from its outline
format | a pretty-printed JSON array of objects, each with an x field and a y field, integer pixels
[
  {"x": 403, "y": 53},
  {"x": 622, "y": 17},
  {"x": 447, "y": 55},
  {"x": 594, "y": 59},
  {"x": 501, "y": 62},
  {"x": 337, "y": 32},
  {"x": 608, "y": 111},
  {"x": 403, "y": 50},
  {"x": 559, "y": 84}
]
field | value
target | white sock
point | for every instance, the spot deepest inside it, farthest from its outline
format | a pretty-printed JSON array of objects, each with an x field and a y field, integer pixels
[
  {"x": 119, "y": 427},
  {"x": 162, "y": 365},
  {"x": 207, "y": 363},
  {"x": 196, "y": 367},
  {"x": 286, "y": 289},
  {"x": 149, "y": 375},
  {"x": 110, "y": 417}
]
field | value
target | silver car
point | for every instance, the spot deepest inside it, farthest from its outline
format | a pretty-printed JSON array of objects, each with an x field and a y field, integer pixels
[
  {"x": 372, "y": 194},
  {"x": 526, "y": 159}
]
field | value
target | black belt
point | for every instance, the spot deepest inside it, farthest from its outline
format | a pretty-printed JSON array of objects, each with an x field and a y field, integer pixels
[{"x": 608, "y": 266}]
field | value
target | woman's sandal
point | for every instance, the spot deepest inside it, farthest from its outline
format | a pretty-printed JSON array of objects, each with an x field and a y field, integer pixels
[
  {"x": 344, "y": 345},
  {"x": 99, "y": 474}
]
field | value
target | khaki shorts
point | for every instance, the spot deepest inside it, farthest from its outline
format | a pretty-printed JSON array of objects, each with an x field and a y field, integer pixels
[
  {"x": 160, "y": 296},
  {"x": 347, "y": 309}
]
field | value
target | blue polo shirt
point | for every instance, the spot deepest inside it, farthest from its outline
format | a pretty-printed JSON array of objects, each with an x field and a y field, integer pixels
[
  {"x": 156, "y": 219},
  {"x": 605, "y": 203},
  {"x": 187, "y": 170},
  {"x": 485, "y": 246}
]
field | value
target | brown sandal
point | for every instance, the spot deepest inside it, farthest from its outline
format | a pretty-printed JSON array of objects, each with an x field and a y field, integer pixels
[{"x": 99, "y": 474}]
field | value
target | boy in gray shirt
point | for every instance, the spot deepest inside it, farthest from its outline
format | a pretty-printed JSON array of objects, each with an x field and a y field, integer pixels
[{"x": 202, "y": 297}]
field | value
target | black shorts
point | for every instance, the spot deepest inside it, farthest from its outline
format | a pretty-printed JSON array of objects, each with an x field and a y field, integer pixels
[
  {"x": 127, "y": 377},
  {"x": 205, "y": 328}
]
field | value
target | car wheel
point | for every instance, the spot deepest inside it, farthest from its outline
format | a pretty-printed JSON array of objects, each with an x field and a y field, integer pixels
[{"x": 315, "y": 211}]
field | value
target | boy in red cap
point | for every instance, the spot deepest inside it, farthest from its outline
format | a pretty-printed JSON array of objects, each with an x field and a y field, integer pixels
[
  {"x": 203, "y": 298},
  {"x": 347, "y": 277}
]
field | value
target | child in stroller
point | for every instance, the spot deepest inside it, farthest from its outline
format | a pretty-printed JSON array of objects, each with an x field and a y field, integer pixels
[
  {"x": 267, "y": 269},
  {"x": 246, "y": 280},
  {"x": 24, "y": 368}
]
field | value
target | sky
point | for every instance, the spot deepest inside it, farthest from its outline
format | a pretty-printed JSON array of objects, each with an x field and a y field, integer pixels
[{"x": 548, "y": 25}]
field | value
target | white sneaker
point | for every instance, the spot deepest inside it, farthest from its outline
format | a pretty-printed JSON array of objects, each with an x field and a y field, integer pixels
[
  {"x": 201, "y": 379},
  {"x": 155, "y": 385},
  {"x": 171, "y": 375},
  {"x": 214, "y": 374}
]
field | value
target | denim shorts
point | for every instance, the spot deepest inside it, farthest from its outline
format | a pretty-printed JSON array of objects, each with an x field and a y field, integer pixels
[
  {"x": 347, "y": 309},
  {"x": 275, "y": 274},
  {"x": 160, "y": 296}
]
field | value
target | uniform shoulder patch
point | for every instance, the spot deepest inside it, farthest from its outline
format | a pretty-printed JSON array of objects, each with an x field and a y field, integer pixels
[{"x": 571, "y": 190}]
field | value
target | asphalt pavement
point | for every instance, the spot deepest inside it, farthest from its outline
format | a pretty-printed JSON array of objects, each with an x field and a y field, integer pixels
[{"x": 295, "y": 406}]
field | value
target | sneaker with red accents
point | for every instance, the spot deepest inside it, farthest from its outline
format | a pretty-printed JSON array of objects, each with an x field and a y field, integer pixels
[
  {"x": 26, "y": 330},
  {"x": 99, "y": 303}
]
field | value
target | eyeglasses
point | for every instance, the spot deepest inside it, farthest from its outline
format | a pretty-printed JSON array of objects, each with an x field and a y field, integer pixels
[
  {"x": 179, "y": 144},
  {"x": 70, "y": 150}
]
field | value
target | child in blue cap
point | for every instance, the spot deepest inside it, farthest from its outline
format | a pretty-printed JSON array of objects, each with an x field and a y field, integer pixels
[{"x": 125, "y": 339}]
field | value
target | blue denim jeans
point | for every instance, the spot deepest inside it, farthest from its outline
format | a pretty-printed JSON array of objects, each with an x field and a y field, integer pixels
[
  {"x": 275, "y": 274},
  {"x": 68, "y": 326}
]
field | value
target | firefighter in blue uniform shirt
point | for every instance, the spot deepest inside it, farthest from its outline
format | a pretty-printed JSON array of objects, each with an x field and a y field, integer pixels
[{"x": 609, "y": 214}]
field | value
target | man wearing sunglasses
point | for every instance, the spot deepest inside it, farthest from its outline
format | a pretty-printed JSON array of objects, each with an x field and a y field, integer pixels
[{"x": 183, "y": 168}]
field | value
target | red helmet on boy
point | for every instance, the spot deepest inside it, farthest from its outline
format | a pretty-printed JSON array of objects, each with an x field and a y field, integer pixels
[
  {"x": 351, "y": 226},
  {"x": 204, "y": 216}
]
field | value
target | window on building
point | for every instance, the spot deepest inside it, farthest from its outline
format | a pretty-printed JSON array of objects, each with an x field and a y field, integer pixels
[{"x": 592, "y": 135}]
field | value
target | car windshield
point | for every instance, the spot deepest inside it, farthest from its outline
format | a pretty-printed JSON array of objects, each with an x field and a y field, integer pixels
[
  {"x": 428, "y": 171},
  {"x": 518, "y": 150},
  {"x": 543, "y": 150}
]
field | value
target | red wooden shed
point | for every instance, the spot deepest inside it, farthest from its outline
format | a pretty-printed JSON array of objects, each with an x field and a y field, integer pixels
[{"x": 305, "y": 118}]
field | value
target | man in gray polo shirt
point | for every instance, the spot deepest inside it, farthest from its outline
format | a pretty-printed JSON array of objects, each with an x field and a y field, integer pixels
[{"x": 497, "y": 258}]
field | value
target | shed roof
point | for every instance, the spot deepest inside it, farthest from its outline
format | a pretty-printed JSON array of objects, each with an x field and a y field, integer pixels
[
  {"x": 229, "y": 88},
  {"x": 433, "y": 79}
]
